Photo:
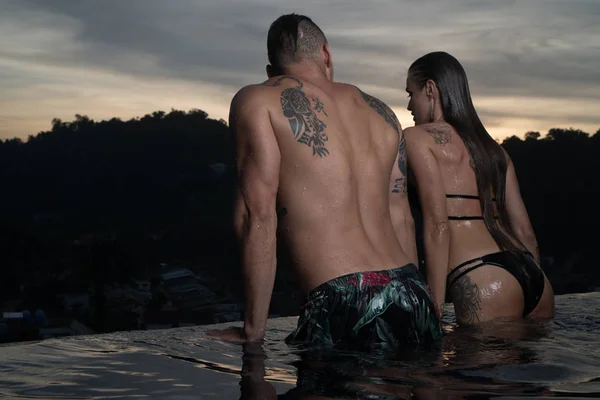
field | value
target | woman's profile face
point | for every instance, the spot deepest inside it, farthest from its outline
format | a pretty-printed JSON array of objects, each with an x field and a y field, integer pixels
[{"x": 418, "y": 103}]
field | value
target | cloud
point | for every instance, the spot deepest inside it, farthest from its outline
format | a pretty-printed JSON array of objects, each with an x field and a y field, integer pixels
[{"x": 126, "y": 55}]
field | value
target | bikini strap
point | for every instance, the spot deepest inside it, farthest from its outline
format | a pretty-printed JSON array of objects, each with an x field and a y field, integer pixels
[
  {"x": 462, "y": 273},
  {"x": 465, "y": 196},
  {"x": 466, "y": 218},
  {"x": 462, "y": 196}
]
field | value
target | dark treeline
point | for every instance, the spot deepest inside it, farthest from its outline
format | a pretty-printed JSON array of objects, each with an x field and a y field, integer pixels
[
  {"x": 104, "y": 202},
  {"x": 107, "y": 201},
  {"x": 558, "y": 177}
]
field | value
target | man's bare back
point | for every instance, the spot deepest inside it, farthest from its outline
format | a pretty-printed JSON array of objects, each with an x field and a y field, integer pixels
[
  {"x": 336, "y": 152},
  {"x": 318, "y": 166}
]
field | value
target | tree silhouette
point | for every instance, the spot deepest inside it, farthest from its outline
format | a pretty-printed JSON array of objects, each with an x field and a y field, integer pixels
[
  {"x": 532, "y": 135},
  {"x": 558, "y": 181},
  {"x": 566, "y": 134},
  {"x": 108, "y": 200}
]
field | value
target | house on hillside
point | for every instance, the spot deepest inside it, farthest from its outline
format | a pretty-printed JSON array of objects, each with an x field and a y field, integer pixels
[{"x": 184, "y": 289}]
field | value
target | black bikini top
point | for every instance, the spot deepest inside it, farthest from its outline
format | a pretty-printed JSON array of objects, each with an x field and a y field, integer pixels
[{"x": 465, "y": 196}]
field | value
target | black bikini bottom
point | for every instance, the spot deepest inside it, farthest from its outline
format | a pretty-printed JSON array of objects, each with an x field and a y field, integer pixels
[{"x": 521, "y": 265}]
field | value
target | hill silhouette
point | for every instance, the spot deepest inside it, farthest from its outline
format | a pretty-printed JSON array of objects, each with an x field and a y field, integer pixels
[{"x": 107, "y": 201}]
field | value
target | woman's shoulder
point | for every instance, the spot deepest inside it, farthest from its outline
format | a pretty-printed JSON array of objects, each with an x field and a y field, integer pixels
[
  {"x": 414, "y": 132},
  {"x": 434, "y": 133},
  {"x": 506, "y": 155}
]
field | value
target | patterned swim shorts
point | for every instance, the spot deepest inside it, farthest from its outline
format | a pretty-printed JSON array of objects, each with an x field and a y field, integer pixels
[{"x": 390, "y": 308}]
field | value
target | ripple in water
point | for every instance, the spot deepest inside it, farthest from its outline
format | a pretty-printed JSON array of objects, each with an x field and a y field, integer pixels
[{"x": 560, "y": 358}]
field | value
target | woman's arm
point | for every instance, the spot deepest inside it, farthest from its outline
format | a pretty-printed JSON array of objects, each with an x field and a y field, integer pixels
[
  {"x": 517, "y": 213},
  {"x": 436, "y": 233}
]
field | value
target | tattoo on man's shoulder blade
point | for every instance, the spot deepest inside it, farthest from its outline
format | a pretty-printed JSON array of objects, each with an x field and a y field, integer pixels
[
  {"x": 441, "y": 134},
  {"x": 307, "y": 128},
  {"x": 467, "y": 299},
  {"x": 319, "y": 106}
]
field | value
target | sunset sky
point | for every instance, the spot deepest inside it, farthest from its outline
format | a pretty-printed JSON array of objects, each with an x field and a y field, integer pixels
[{"x": 532, "y": 64}]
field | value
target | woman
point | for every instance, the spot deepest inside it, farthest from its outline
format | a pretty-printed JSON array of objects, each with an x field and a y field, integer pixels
[{"x": 478, "y": 240}]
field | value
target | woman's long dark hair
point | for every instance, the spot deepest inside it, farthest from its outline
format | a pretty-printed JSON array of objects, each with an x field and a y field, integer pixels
[{"x": 487, "y": 156}]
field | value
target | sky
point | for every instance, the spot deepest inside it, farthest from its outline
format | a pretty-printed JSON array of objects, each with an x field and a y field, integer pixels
[{"x": 531, "y": 64}]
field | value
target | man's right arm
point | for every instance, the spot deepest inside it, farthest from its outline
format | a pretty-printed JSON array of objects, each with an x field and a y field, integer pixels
[
  {"x": 400, "y": 212},
  {"x": 401, "y": 216},
  {"x": 255, "y": 222}
]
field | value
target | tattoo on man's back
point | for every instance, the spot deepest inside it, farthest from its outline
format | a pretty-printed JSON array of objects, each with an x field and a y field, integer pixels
[
  {"x": 466, "y": 298},
  {"x": 319, "y": 106},
  {"x": 302, "y": 115},
  {"x": 441, "y": 134},
  {"x": 383, "y": 110}
]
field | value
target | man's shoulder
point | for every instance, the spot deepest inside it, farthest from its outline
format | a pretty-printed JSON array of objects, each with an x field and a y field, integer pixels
[
  {"x": 252, "y": 97},
  {"x": 381, "y": 108},
  {"x": 248, "y": 104},
  {"x": 271, "y": 86},
  {"x": 369, "y": 98},
  {"x": 248, "y": 92},
  {"x": 347, "y": 87},
  {"x": 378, "y": 105}
]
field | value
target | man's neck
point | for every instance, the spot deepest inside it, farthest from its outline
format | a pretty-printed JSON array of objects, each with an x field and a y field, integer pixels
[{"x": 306, "y": 71}]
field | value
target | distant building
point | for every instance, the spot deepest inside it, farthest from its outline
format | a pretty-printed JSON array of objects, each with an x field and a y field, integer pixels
[
  {"x": 142, "y": 285},
  {"x": 75, "y": 302},
  {"x": 184, "y": 289}
]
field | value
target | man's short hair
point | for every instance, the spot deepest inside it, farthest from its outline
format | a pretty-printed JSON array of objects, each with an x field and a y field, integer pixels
[{"x": 293, "y": 38}]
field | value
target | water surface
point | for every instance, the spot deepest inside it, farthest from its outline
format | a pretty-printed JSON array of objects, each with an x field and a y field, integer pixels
[{"x": 560, "y": 358}]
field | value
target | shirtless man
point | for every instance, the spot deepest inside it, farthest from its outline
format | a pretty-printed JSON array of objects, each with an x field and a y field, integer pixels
[{"x": 313, "y": 159}]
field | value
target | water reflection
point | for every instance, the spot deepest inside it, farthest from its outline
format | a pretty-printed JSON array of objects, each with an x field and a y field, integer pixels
[
  {"x": 560, "y": 358},
  {"x": 461, "y": 367}
]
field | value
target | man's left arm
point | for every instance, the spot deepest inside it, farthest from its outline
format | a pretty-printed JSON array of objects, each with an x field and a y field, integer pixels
[
  {"x": 257, "y": 162},
  {"x": 255, "y": 222}
]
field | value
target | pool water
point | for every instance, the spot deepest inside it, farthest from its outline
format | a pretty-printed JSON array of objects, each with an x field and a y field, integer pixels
[{"x": 559, "y": 358}]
